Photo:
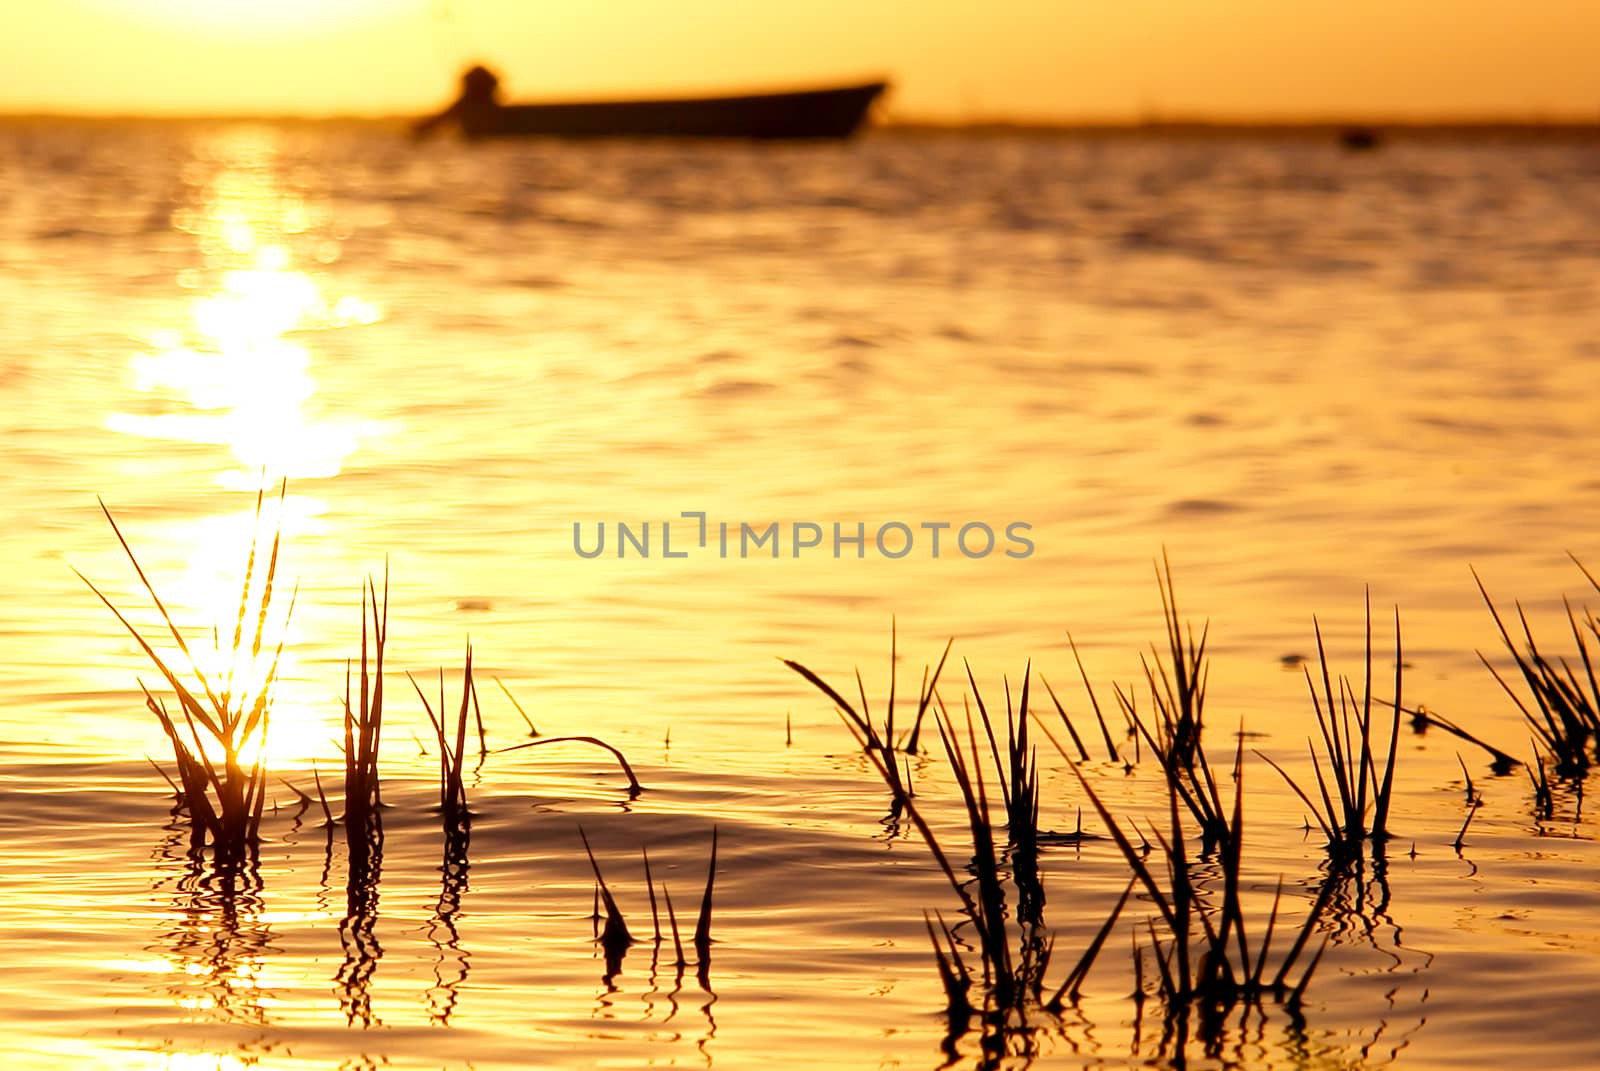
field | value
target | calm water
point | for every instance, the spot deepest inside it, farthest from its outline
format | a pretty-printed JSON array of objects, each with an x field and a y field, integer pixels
[{"x": 1300, "y": 371}]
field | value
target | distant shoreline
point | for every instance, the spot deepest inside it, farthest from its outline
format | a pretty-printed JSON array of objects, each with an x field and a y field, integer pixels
[
  {"x": 1316, "y": 129},
  {"x": 1319, "y": 129}
]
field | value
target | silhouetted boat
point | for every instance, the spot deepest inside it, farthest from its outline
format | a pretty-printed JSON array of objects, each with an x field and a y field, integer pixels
[
  {"x": 815, "y": 113},
  {"x": 832, "y": 112}
]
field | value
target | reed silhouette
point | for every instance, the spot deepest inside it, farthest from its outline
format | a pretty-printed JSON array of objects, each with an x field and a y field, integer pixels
[
  {"x": 1005, "y": 988},
  {"x": 452, "y": 745},
  {"x": 218, "y": 736},
  {"x": 1563, "y": 706},
  {"x": 363, "y": 731},
  {"x": 1354, "y": 797},
  {"x": 615, "y": 937},
  {"x": 885, "y": 745},
  {"x": 1208, "y": 961}
]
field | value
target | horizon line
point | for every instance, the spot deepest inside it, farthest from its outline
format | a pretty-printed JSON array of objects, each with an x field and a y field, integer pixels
[{"x": 1173, "y": 121}]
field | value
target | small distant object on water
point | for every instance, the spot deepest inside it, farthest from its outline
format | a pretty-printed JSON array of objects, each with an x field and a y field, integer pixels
[
  {"x": 1360, "y": 138},
  {"x": 1292, "y": 660},
  {"x": 828, "y": 112},
  {"x": 477, "y": 606}
]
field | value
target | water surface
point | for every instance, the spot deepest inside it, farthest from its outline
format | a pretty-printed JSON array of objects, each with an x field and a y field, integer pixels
[{"x": 1300, "y": 371}]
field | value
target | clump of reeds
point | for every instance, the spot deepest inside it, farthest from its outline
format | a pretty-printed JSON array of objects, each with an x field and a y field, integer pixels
[
  {"x": 218, "y": 734},
  {"x": 452, "y": 745},
  {"x": 884, "y": 744},
  {"x": 1564, "y": 714},
  {"x": 615, "y": 938},
  {"x": 1209, "y": 955},
  {"x": 1353, "y": 797},
  {"x": 1178, "y": 695},
  {"x": 1177, "y": 687},
  {"x": 1178, "y": 692},
  {"x": 1205, "y": 960},
  {"x": 363, "y": 811},
  {"x": 1011, "y": 962},
  {"x": 363, "y": 725}
]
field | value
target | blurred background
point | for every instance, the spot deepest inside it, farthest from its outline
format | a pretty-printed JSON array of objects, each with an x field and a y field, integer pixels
[{"x": 1010, "y": 60}]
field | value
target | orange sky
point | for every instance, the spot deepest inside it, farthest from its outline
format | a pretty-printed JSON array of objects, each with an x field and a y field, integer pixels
[{"x": 1037, "y": 59}]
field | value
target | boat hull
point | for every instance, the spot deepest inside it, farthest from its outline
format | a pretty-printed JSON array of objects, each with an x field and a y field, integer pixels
[{"x": 818, "y": 113}]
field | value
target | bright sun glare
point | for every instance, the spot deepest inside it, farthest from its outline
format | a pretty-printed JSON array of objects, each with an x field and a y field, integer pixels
[
  {"x": 249, "y": 16},
  {"x": 238, "y": 376}
]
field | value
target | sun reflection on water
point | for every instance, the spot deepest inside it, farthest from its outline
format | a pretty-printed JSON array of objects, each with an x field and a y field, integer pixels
[
  {"x": 238, "y": 375},
  {"x": 240, "y": 372},
  {"x": 239, "y": 380}
]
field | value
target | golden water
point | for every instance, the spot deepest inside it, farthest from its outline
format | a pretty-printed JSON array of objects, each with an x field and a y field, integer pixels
[{"x": 1300, "y": 372}]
